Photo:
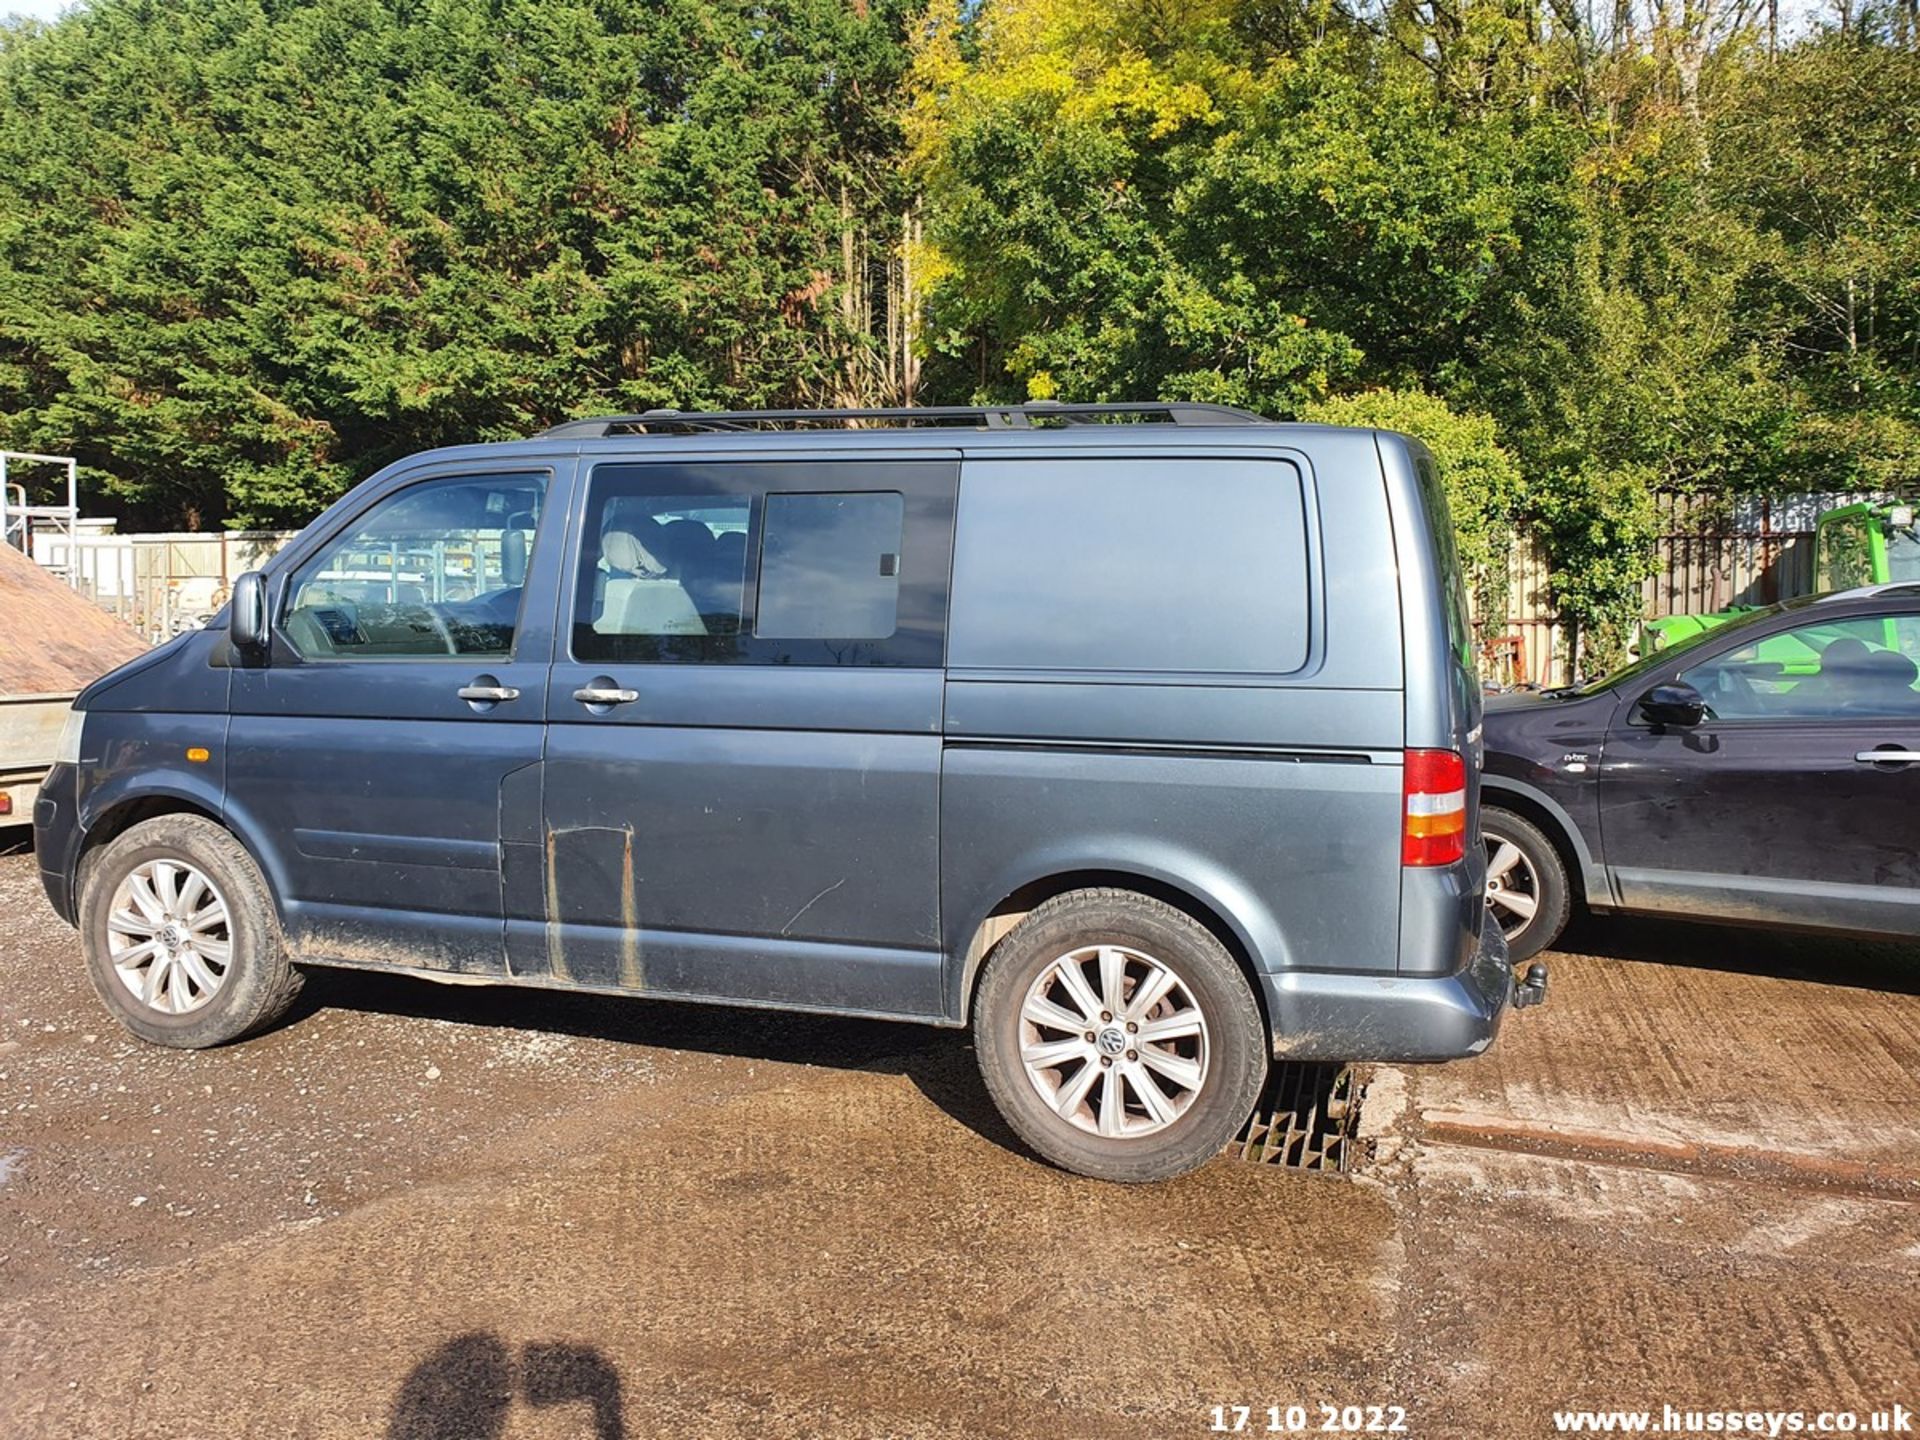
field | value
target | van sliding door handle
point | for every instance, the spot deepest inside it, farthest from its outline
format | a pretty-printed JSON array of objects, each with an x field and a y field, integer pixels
[
  {"x": 1887, "y": 757},
  {"x": 487, "y": 692},
  {"x": 604, "y": 695}
]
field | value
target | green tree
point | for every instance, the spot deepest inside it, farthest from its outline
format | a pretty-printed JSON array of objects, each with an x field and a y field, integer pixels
[{"x": 252, "y": 249}]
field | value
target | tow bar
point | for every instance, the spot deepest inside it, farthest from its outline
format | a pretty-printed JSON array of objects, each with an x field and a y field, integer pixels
[{"x": 1533, "y": 989}]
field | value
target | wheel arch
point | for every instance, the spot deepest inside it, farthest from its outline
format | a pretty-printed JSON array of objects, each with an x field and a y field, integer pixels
[
  {"x": 987, "y": 929},
  {"x": 113, "y": 814},
  {"x": 1583, "y": 871}
]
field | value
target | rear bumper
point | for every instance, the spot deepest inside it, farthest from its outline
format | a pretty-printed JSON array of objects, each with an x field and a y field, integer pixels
[{"x": 1319, "y": 1016}]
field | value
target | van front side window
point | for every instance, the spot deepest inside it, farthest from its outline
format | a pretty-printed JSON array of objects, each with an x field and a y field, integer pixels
[{"x": 435, "y": 570}]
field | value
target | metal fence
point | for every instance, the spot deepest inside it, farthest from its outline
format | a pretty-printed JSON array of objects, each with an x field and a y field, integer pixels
[{"x": 159, "y": 584}]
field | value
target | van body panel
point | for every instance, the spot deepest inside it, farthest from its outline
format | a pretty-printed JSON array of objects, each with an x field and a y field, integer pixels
[
  {"x": 1286, "y": 853},
  {"x": 1270, "y": 797},
  {"x": 1145, "y": 710},
  {"x": 1404, "y": 1018},
  {"x": 187, "y": 675},
  {"x": 1054, "y": 561},
  {"x": 374, "y": 787},
  {"x": 744, "y": 840},
  {"x": 1441, "y": 906},
  {"x": 1353, "y": 604},
  {"x": 828, "y": 829},
  {"x": 387, "y": 835},
  {"x": 131, "y": 755}
]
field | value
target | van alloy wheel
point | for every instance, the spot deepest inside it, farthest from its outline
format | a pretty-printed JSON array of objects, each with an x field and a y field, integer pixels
[
  {"x": 170, "y": 936},
  {"x": 1513, "y": 886},
  {"x": 182, "y": 933},
  {"x": 1113, "y": 1041}
]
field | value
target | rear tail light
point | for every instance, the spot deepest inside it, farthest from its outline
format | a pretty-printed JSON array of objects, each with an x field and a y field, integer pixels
[{"x": 1435, "y": 828}]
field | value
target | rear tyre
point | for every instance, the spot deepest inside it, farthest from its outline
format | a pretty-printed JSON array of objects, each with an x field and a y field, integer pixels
[
  {"x": 180, "y": 934},
  {"x": 1118, "y": 1037},
  {"x": 1527, "y": 890}
]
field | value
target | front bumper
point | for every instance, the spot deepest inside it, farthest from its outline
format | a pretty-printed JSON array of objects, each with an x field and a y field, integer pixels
[
  {"x": 1319, "y": 1016},
  {"x": 56, "y": 837}
]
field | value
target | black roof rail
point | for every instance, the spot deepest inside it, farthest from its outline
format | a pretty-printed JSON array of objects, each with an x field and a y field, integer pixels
[{"x": 1035, "y": 414}]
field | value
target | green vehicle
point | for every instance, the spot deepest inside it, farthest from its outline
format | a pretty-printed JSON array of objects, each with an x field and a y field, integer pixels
[{"x": 1854, "y": 545}]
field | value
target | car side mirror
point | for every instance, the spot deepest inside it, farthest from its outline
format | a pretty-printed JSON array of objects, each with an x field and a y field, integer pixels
[
  {"x": 247, "y": 624},
  {"x": 1674, "y": 704}
]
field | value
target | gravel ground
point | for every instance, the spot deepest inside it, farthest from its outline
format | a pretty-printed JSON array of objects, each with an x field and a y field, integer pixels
[{"x": 413, "y": 1211}]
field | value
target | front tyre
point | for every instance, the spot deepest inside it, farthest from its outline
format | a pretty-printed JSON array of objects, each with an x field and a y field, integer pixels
[
  {"x": 1527, "y": 889},
  {"x": 180, "y": 934},
  {"x": 1118, "y": 1037}
]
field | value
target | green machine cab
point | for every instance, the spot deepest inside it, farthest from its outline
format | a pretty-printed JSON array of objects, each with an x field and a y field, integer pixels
[{"x": 1853, "y": 545}]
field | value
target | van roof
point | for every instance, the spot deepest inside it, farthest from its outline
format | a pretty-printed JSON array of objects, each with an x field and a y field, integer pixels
[{"x": 748, "y": 434}]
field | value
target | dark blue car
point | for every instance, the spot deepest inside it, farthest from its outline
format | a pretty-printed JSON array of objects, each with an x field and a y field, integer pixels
[{"x": 1764, "y": 772}]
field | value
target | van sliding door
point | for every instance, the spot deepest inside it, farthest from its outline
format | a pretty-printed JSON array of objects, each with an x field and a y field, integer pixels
[{"x": 742, "y": 775}]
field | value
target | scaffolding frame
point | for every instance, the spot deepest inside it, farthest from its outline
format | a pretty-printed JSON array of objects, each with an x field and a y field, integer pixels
[{"x": 18, "y": 518}]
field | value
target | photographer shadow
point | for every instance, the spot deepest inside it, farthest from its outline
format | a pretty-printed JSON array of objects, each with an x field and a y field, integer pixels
[{"x": 466, "y": 1389}]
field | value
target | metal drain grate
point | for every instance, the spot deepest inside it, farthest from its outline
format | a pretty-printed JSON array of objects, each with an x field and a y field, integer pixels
[{"x": 1306, "y": 1119}]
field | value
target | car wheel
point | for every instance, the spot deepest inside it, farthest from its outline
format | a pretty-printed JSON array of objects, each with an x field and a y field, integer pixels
[
  {"x": 1527, "y": 889},
  {"x": 180, "y": 934},
  {"x": 1118, "y": 1037}
]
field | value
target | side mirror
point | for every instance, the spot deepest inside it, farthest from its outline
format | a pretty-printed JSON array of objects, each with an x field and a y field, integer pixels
[
  {"x": 247, "y": 624},
  {"x": 1674, "y": 704}
]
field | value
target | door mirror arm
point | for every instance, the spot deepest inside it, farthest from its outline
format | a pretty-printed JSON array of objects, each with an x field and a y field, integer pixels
[
  {"x": 1675, "y": 703},
  {"x": 247, "y": 618}
]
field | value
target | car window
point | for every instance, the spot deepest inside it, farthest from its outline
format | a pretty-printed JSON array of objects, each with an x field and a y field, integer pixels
[
  {"x": 1903, "y": 555},
  {"x": 1845, "y": 552},
  {"x": 437, "y": 569},
  {"x": 661, "y": 575},
  {"x": 830, "y": 567},
  {"x": 1837, "y": 669},
  {"x": 749, "y": 563}
]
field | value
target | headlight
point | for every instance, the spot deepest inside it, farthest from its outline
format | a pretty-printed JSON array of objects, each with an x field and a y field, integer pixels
[{"x": 68, "y": 752}]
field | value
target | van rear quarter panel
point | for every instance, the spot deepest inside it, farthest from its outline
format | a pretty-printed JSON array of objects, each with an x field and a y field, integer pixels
[{"x": 1270, "y": 798}]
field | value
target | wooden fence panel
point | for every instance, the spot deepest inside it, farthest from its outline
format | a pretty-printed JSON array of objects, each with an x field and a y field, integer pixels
[{"x": 1709, "y": 554}]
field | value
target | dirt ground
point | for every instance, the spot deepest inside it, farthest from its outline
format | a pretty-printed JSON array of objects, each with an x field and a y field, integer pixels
[{"x": 1693, "y": 1178}]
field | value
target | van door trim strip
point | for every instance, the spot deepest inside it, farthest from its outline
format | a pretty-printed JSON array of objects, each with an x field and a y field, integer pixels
[{"x": 1196, "y": 752}]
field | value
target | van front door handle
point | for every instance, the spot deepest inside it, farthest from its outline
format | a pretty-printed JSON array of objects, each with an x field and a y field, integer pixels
[
  {"x": 1888, "y": 757},
  {"x": 488, "y": 692},
  {"x": 604, "y": 695}
]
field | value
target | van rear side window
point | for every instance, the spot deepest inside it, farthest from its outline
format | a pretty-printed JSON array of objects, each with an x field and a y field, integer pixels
[
  {"x": 830, "y": 567},
  {"x": 764, "y": 563},
  {"x": 1177, "y": 564}
]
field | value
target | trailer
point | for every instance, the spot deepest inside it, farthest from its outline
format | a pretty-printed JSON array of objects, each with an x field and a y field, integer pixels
[{"x": 54, "y": 642}]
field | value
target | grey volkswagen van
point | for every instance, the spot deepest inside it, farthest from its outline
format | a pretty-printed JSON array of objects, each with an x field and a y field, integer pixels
[{"x": 1142, "y": 739}]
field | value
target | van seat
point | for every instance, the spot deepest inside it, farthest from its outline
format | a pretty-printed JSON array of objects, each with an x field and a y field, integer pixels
[{"x": 648, "y": 607}]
